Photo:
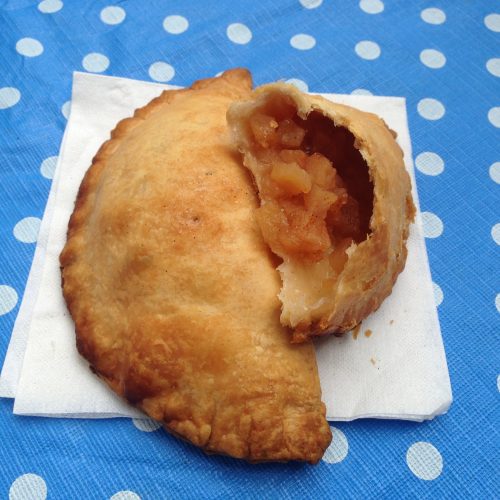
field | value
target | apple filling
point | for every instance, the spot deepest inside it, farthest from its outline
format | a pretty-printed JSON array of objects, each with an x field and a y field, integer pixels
[{"x": 316, "y": 200}]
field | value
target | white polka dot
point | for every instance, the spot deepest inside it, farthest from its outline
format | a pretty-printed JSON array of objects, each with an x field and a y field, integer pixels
[
  {"x": 338, "y": 449},
  {"x": 432, "y": 225},
  {"x": 29, "y": 47},
  {"x": 302, "y": 41},
  {"x": 431, "y": 109},
  {"x": 146, "y": 424},
  {"x": 497, "y": 302},
  {"x": 492, "y": 22},
  {"x": 498, "y": 377},
  {"x": 26, "y": 230},
  {"x": 310, "y": 4},
  {"x": 429, "y": 163},
  {"x": 493, "y": 66},
  {"x": 50, "y": 6},
  {"x": 361, "y": 92},
  {"x": 432, "y": 58},
  {"x": 438, "y": 294},
  {"x": 9, "y": 96},
  {"x": 175, "y": 25},
  {"x": 112, "y": 15},
  {"x": 48, "y": 167},
  {"x": 95, "y": 62},
  {"x": 424, "y": 460},
  {"x": 495, "y": 172},
  {"x": 367, "y": 50},
  {"x": 371, "y": 6},
  {"x": 495, "y": 233},
  {"x": 239, "y": 33},
  {"x": 161, "y": 71},
  {"x": 66, "y": 109},
  {"x": 433, "y": 16},
  {"x": 125, "y": 495},
  {"x": 8, "y": 299},
  {"x": 494, "y": 116},
  {"x": 300, "y": 84},
  {"x": 28, "y": 486}
]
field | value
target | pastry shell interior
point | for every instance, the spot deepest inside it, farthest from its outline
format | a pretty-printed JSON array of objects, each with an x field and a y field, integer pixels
[{"x": 335, "y": 204}]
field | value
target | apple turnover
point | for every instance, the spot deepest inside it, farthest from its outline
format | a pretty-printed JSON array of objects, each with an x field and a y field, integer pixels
[
  {"x": 335, "y": 204},
  {"x": 173, "y": 290}
]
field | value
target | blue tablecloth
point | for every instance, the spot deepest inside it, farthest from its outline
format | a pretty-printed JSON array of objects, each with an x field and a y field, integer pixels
[{"x": 444, "y": 57}]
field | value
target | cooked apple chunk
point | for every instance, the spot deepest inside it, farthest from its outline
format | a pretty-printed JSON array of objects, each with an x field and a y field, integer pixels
[{"x": 335, "y": 204}]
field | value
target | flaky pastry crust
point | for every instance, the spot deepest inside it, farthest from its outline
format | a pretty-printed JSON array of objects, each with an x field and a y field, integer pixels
[
  {"x": 173, "y": 291},
  {"x": 373, "y": 262}
]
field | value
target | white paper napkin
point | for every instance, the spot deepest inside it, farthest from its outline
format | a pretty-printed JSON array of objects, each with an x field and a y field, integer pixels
[{"x": 398, "y": 371}]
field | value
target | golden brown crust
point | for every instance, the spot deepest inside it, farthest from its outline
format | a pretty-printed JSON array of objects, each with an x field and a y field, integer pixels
[
  {"x": 173, "y": 291},
  {"x": 374, "y": 264}
]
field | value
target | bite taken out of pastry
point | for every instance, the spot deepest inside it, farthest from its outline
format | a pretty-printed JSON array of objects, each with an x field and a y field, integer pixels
[
  {"x": 174, "y": 292},
  {"x": 335, "y": 204}
]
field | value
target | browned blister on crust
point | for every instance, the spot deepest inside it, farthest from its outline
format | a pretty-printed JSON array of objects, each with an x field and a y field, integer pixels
[
  {"x": 173, "y": 291},
  {"x": 335, "y": 204}
]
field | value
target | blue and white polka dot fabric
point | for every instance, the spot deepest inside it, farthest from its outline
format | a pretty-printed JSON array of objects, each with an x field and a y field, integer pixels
[{"x": 444, "y": 57}]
